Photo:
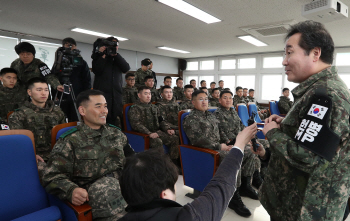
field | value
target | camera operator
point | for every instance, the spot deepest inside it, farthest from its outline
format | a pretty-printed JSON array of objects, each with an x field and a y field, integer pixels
[
  {"x": 80, "y": 79},
  {"x": 108, "y": 66}
]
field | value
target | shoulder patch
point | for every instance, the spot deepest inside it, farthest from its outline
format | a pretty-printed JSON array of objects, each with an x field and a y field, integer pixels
[
  {"x": 69, "y": 132},
  {"x": 115, "y": 126}
]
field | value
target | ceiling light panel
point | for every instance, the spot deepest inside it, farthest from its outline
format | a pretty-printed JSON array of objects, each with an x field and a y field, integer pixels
[
  {"x": 99, "y": 34},
  {"x": 173, "y": 49},
  {"x": 250, "y": 39}
]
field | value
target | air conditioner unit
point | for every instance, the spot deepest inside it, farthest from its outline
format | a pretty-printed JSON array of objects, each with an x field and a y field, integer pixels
[
  {"x": 325, "y": 10},
  {"x": 269, "y": 30}
]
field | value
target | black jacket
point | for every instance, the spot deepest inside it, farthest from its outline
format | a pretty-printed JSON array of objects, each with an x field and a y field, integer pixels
[
  {"x": 108, "y": 79},
  {"x": 81, "y": 78}
]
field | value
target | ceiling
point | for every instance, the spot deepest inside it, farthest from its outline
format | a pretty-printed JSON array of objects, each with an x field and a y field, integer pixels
[{"x": 148, "y": 23}]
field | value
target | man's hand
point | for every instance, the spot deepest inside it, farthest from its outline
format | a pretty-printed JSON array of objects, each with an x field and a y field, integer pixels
[
  {"x": 275, "y": 118},
  {"x": 79, "y": 196},
  {"x": 269, "y": 126},
  {"x": 60, "y": 88},
  {"x": 102, "y": 49},
  {"x": 225, "y": 147},
  {"x": 38, "y": 159},
  {"x": 153, "y": 135},
  {"x": 260, "y": 151},
  {"x": 245, "y": 136},
  {"x": 171, "y": 132}
]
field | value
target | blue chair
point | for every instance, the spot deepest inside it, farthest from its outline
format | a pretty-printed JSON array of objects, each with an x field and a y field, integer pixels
[
  {"x": 58, "y": 130},
  {"x": 242, "y": 111},
  {"x": 252, "y": 108},
  {"x": 198, "y": 164},
  {"x": 274, "y": 108}
]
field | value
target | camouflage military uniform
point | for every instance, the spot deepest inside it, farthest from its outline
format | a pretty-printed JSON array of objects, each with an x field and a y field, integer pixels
[
  {"x": 238, "y": 100},
  {"x": 11, "y": 99},
  {"x": 169, "y": 110},
  {"x": 40, "y": 121},
  {"x": 214, "y": 102},
  {"x": 144, "y": 118},
  {"x": 300, "y": 185},
  {"x": 89, "y": 159},
  {"x": 284, "y": 104},
  {"x": 220, "y": 89},
  {"x": 246, "y": 99},
  {"x": 140, "y": 77},
  {"x": 209, "y": 93},
  {"x": 258, "y": 107},
  {"x": 186, "y": 104},
  {"x": 178, "y": 93},
  {"x": 155, "y": 95},
  {"x": 129, "y": 94},
  {"x": 25, "y": 73}
]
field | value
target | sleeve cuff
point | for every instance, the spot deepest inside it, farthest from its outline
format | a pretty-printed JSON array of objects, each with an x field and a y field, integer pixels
[{"x": 238, "y": 149}]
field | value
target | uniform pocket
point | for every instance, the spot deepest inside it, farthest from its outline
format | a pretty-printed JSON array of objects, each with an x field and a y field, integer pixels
[{"x": 86, "y": 164}]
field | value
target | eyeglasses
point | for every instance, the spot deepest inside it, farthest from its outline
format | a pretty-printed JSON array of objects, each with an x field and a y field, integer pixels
[{"x": 201, "y": 99}]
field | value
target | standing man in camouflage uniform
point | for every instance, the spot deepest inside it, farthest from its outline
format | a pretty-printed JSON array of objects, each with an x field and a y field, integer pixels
[
  {"x": 149, "y": 82},
  {"x": 86, "y": 161},
  {"x": 214, "y": 101},
  {"x": 178, "y": 91},
  {"x": 28, "y": 67},
  {"x": 169, "y": 109},
  {"x": 129, "y": 90},
  {"x": 308, "y": 173},
  {"x": 187, "y": 100},
  {"x": 142, "y": 72},
  {"x": 238, "y": 98},
  {"x": 39, "y": 116},
  {"x": 145, "y": 118},
  {"x": 194, "y": 84},
  {"x": 12, "y": 96},
  {"x": 152, "y": 72},
  {"x": 221, "y": 85},
  {"x": 285, "y": 104}
]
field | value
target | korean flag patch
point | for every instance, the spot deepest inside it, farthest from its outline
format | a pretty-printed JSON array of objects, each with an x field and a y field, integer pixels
[{"x": 317, "y": 111}]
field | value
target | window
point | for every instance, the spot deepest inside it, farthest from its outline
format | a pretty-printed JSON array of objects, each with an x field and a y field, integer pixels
[
  {"x": 246, "y": 81},
  {"x": 7, "y": 52},
  {"x": 228, "y": 64},
  {"x": 45, "y": 51},
  {"x": 272, "y": 62},
  {"x": 208, "y": 79},
  {"x": 245, "y": 63},
  {"x": 207, "y": 65},
  {"x": 342, "y": 59},
  {"x": 271, "y": 87},
  {"x": 346, "y": 79},
  {"x": 189, "y": 78},
  {"x": 290, "y": 85},
  {"x": 192, "y": 66},
  {"x": 229, "y": 82}
]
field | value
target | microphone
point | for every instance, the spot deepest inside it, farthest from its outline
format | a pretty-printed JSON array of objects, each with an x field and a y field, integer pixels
[{"x": 44, "y": 69}]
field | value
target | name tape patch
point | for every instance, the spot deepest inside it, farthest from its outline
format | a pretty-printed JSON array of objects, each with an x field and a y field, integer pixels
[
  {"x": 307, "y": 131},
  {"x": 317, "y": 111},
  {"x": 45, "y": 70}
]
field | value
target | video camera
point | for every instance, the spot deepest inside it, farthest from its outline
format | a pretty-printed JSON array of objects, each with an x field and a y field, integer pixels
[{"x": 110, "y": 46}]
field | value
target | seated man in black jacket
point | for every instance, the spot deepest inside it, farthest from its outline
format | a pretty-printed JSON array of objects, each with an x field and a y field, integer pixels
[{"x": 154, "y": 173}]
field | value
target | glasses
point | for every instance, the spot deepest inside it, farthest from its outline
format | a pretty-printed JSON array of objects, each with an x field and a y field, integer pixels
[
  {"x": 130, "y": 79},
  {"x": 201, "y": 99}
]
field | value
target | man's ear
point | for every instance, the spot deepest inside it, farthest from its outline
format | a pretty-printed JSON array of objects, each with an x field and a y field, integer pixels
[
  {"x": 29, "y": 92},
  {"x": 81, "y": 110},
  {"x": 138, "y": 94},
  {"x": 316, "y": 54}
]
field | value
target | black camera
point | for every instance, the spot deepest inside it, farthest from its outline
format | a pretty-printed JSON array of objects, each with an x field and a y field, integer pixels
[
  {"x": 110, "y": 46},
  {"x": 65, "y": 60}
]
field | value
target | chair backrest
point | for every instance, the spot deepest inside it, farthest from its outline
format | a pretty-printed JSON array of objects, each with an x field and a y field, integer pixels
[
  {"x": 22, "y": 192},
  {"x": 243, "y": 114},
  {"x": 55, "y": 130},
  {"x": 127, "y": 125},
  {"x": 252, "y": 108},
  {"x": 212, "y": 110},
  {"x": 62, "y": 131},
  {"x": 183, "y": 137},
  {"x": 274, "y": 108}
]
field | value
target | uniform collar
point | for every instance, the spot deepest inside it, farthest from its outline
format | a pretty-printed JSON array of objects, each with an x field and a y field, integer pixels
[
  {"x": 49, "y": 105},
  {"x": 201, "y": 113},
  {"x": 91, "y": 133}
]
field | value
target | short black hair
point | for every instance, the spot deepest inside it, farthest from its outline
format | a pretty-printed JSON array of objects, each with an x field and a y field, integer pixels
[
  {"x": 179, "y": 79},
  {"x": 250, "y": 90},
  {"x": 85, "y": 96},
  {"x": 212, "y": 83},
  {"x": 141, "y": 88},
  {"x": 215, "y": 89},
  {"x": 167, "y": 77},
  {"x": 147, "y": 77},
  {"x": 146, "y": 175},
  {"x": 238, "y": 88},
  {"x": 225, "y": 92},
  {"x": 165, "y": 87},
  {"x": 221, "y": 81},
  {"x": 285, "y": 89},
  {"x": 69, "y": 41},
  {"x": 112, "y": 38},
  {"x": 203, "y": 81},
  {"x": 192, "y": 80},
  {"x": 201, "y": 88},
  {"x": 195, "y": 94},
  {"x": 7, "y": 70},
  {"x": 31, "y": 82},
  {"x": 314, "y": 34},
  {"x": 129, "y": 75},
  {"x": 187, "y": 87},
  {"x": 245, "y": 88}
]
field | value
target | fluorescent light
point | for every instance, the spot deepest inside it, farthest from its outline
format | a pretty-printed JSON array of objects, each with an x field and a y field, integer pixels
[
  {"x": 40, "y": 42},
  {"x": 250, "y": 39},
  {"x": 97, "y": 34},
  {"x": 190, "y": 10},
  {"x": 173, "y": 49}
]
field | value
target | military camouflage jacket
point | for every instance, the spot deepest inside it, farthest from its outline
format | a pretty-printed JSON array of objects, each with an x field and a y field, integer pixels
[
  {"x": 246, "y": 99},
  {"x": 186, "y": 104},
  {"x": 145, "y": 118},
  {"x": 209, "y": 92},
  {"x": 155, "y": 95},
  {"x": 284, "y": 104},
  {"x": 202, "y": 129},
  {"x": 81, "y": 156},
  {"x": 40, "y": 121},
  {"x": 169, "y": 110},
  {"x": 220, "y": 89},
  {"x": 178, "y": 93},
  {"x": 11, "y": 99},
  {"x": 25, "y": 73},
  {"x": 129, "y": 94},
  {"x": 140, "y": 77},
  {"x": 214, "y": 102},
  {"x": 238, "y": 100},
  {"x": 229, "y": 123},
  {"x": 298, "y": 184}
]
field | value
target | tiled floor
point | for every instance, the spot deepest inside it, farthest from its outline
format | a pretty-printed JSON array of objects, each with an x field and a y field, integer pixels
[{"x": 257, "y": 210}]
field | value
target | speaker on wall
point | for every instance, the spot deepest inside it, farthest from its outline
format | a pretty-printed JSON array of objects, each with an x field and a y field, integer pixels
[{"x": 182, "y": 64}]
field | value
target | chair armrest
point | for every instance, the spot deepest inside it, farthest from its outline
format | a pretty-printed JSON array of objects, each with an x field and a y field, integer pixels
[
  {"x": 260, "y": 124},
  {"x": 83, "y": 212},
  {"x": 205, "y": 150},
  {"x": 144, "y": 136},
  {"x": 136, "y": 133}
]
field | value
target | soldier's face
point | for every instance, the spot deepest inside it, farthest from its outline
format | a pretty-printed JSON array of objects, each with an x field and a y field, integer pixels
[
  {"x": 201, "y": 102},
  {"x": 193, "y": 83},
  {"x": 204, "y": 84},
  {"x": 226, "y": 100},
  {"x": 245, "y": 93},
  {"x": 297, "y": 64},
  {"x": 212, "y": 86},
  {"x": 188, "y": 93},
  {"x": 286, "y": 93},
  {"x": 145, "y": 96},
  {"x": 26, "y": 57},
  {"x": 221, "y": 84},
  {"x": 94, "y": 111},
  {"x": 251, "y": 93},
  {"x": 167, "y": 94},
  {"x": 168, "y": 82},
  {"x": 150, "y": 66},
  {"x": 149, "y": 83},
  {"x": 239, "y": 93},
  {"x": 180, "y": 83},
  {"x": 39, "y": 93},
  {"x": 9, "y": 80},
  {"x": 130, "y": 81},
  {"x": 216, "y": 94},
  {"x": 144, "y": 68}
]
